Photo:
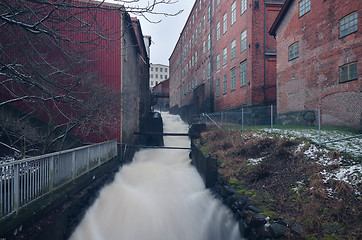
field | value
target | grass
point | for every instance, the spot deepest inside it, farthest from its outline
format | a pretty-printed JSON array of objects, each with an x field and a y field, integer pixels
[{"x": 289, "y": 177}]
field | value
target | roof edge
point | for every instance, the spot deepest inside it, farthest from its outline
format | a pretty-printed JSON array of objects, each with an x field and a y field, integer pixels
[{"x": 280, "y": 17}]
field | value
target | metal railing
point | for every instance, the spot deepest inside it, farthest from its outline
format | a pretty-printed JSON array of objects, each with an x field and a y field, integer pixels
[{"x": 24, "y": 181}]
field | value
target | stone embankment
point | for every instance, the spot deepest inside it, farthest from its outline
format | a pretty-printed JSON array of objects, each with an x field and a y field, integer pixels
[{"x": 252, "y": 224}]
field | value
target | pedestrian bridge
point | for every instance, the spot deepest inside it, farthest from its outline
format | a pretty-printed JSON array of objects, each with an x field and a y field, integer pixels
[{"x": 29, "y": 184}]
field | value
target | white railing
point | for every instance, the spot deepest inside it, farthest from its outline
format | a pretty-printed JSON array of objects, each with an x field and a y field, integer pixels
[{"x": 24, "y": 181}]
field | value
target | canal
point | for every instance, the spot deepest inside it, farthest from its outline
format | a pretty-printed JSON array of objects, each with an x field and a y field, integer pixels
[{"x": 160, "y": 195}]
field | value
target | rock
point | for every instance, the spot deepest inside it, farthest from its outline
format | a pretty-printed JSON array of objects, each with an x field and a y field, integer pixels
[
  {"x": 227, "y": 191},
  {"x": 242, "y": 227},
  {"x": 298, "y": 230},
  {"x": 278, "y": 229},
  {"x": 258, "y": 220},
  {"x": 254, "y": 209}
]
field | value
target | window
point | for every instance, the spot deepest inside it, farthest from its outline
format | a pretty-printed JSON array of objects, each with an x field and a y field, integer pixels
[
  {"x": 208, "y": 13},
  {"x": 243, "y": 74},
  {"x": 200, "y": 5},
  {"x": 233, "y": 13},
  {"x": 208, "y": 42},
  {"x": 218, "y": 87},
  {"x": 151, "y": 68},
  {"x": 200, "y": 27},
  {"x": 195, "y": 81},
  {"x": 217, "y": 2},
  {"x": 165, "y": 76},
  {"x": 293, "y": 51},
  {"x": 218, "y": 62},
  {"x": 195, "y": 34},
  {"x": 243, "y": 6},
  {"x": 233, "y": 48},
  {"x": 203, "y": 47},
  {"x": 151, "y": 83},
  {"x": 193, "y": 60},
  {"x": 209, "y": 69},
  {"x": 304, "y": 7},
  {"x": 224, "y": 23},
  {"x": 348, "y": 24},
  {"x": 161, "y": 69},
  {"x": 161, "y": 76},
  {"x": 224, "y": 56},
  {"x": 156, "y": 69},
  {"x": 156, "y": 75},
  {"x": 233, "y": 85},
  {"x": 193, "y": 19},
  {"x": 196, "y": 12},
  {"x": 203, "y": 74},
  {"x": 196, "y": 57},
  {"x": 243, "y": 41},
  {"x": 218, "y": 31},
  {"x": 165, "y": 69},
  {"x": 203, "y": 21},
  {"x": 156, "y": 82},
  {"x": 224, "y": 84},
  {"x": 151, "y": 75},
  {"x": 348, "y": 72}
]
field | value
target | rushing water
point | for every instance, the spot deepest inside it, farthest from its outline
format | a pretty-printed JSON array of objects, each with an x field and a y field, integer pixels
[{"x": 159, "y": 196}]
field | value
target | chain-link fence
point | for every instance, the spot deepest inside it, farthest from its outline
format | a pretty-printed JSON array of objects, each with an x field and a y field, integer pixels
[{"x": 337, "y": 127}]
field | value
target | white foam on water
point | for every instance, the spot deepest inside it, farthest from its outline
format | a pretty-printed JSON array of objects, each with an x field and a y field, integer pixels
[{"x": 158, "y": 196}]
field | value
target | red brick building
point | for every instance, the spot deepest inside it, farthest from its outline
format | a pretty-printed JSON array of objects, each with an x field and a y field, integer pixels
[
  {"x": 319, "y": 54},
  {"x": 161, "y": 93},
  {"x": 225, "y": 58}
]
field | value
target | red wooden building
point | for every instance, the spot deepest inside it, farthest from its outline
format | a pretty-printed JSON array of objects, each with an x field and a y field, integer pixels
[{"x": 105, "y": 45}]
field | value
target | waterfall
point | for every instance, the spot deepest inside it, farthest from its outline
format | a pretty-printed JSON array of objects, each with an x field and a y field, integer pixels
[{"x": 159, "y": 196}]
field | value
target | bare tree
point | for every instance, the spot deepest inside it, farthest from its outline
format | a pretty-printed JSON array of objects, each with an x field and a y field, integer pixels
[{"x": 46, "y": 50}]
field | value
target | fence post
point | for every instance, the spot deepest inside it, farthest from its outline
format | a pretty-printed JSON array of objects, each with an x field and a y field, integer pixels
[
  {"x": 242, "y": 120},
  {"x": 319, "y": 128},
  {"x": 16, "y": 188},
  {"x": 271, "y": 117}
]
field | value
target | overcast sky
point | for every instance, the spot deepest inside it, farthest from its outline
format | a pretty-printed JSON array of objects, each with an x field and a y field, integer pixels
[{"x": 165, "y": 34}]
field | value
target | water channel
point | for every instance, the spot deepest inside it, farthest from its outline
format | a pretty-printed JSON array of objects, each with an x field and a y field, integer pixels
[{"x": 159, "y": 196}]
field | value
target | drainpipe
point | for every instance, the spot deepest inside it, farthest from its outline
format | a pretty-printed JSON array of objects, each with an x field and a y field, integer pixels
[
  {"x": 264, "y": 87},
  {"x": 122, "y": 64}
]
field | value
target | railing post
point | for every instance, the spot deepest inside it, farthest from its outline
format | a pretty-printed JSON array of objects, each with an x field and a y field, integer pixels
[
  {"x": 88, "y": 158},
  {"x": 16, "y": 188},
  {"x": 51, "y": 173},
  {"x": 73, "y": 165}
]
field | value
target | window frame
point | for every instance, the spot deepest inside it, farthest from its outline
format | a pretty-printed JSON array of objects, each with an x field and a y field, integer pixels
[
  {"x": 224, "y": 56},
  {"x": 303, "y": 7},
  {"x": 218, "y": 87},
  {"x": 243, "y": 42},
  {"x": 233, "y": 79},
  {"x": 233, "y": 49},
  {"x": 224, "y": 84},
  {"x": 349, "y": 31},
  {"x": 224, "y": 23},
  {"x": 243, "y": 74},
  {"x": 233, "y": 13},
  {"x": 243, "y": 6},
  {"x": 348, "y": 66},
  {"x": 294, "y": 54}
]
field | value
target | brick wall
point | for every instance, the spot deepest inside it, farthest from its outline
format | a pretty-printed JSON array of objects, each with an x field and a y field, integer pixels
[{"x": 311, "y": 81}]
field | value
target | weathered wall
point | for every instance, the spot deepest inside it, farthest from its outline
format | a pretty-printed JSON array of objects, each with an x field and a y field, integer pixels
[{"x": 311, "y": 81}]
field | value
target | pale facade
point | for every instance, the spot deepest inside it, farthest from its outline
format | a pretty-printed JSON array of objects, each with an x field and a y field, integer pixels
[{"x": 158, "y": 73}]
